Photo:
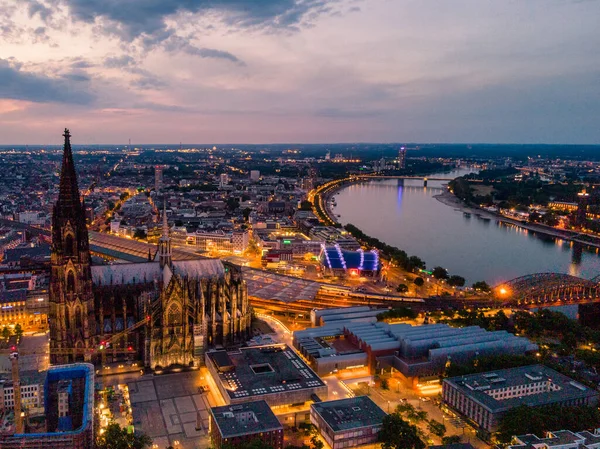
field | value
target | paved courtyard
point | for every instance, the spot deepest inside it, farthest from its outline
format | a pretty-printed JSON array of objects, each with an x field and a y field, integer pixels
[{"x": 170, "y": 409}]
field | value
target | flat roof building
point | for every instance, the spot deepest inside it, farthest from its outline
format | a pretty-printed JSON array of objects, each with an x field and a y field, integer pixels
[
  {"x": 235, "y": 425},
  {"x": 348, "y": 422},
  {"x": 562, "y": 439},
  {"x": 484, "y": 398},
  {"x": 274, "y": 373},
  {"x": 341, "y": 262},
  {"x": 355, "y": 338}
]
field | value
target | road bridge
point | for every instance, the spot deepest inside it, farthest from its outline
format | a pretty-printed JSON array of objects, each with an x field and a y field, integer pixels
[{"x": 548, "y": 289}]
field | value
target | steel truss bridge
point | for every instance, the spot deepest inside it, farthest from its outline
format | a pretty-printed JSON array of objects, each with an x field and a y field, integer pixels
[{"x": 548, "y": 289}]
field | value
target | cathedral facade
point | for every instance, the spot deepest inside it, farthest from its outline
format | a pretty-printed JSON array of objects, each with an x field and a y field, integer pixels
[{"x": 163, "y": 312}]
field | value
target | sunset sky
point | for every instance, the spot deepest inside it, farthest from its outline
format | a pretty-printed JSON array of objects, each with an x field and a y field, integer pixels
[{"x": 306, "y": 71}]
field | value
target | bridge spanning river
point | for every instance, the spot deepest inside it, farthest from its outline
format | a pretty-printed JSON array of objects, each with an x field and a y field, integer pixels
[{"x": 548, "y": 289}]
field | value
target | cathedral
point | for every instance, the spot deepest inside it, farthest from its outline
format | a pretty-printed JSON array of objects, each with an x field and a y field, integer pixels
[{"x": 162, "y": 312}]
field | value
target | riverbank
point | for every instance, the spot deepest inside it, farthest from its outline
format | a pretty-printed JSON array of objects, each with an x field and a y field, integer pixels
[{"x": 451, "y": 200}]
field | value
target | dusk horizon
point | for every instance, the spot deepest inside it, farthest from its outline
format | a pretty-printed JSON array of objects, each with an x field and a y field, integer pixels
[{"x": 313, "y": 71}]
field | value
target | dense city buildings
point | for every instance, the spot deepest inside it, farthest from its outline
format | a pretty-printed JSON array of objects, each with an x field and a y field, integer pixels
[
  {"x": 274, "y": 373},
  {"x": 484, "y": 398},
  {"x": 68, "y": 424},
  {"x": 347, "y": 422},
  {"x": 235, "y": 425},
  {"x": 32, "y": 392},
  {"x": 162, "y": 312},
  {"x": 24, "y": 300}
]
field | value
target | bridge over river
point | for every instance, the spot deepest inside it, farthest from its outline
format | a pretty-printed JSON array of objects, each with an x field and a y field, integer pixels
[{"x": 548, "y": 289}]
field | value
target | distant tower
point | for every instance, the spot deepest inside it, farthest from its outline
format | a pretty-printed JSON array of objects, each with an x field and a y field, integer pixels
[
  {"x": 71, "y": 316},
  {"x": 402, "y": 158},
  {"x": 164, "y": 243},
  {"x": 223, "y": 180},
  {"x": 582, "y": 204},
  {"x": 158, "y": 178}
]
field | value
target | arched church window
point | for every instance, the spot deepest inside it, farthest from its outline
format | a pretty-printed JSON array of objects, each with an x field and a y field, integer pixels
[
  {"x": 78, "y": 322},
  {"x": 67, "y": 317},
  {"x": 69, "y": 245},
  {"x": 174, "y": 315},
  {"x": 70, "y": 282}
]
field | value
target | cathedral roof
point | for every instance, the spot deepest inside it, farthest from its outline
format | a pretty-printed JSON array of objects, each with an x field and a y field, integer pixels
[
  {"x": 199, "y": 268},
  {"x": 133, "y": 273},
  {"x": 126, "y": 273}
]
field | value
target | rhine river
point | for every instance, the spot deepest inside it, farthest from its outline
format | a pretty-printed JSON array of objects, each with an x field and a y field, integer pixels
[{"x": 407, "y": 215}]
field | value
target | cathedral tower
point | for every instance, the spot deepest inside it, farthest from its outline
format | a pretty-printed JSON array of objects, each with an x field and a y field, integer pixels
[
  {"x": 72, "y": 321},
  {"x": 164, "y": 243}
]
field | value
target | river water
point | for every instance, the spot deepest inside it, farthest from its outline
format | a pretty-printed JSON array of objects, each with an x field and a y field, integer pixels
[{"x": 407, "y": 215}]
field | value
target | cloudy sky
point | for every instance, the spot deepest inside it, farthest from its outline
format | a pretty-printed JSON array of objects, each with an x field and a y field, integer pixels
[{"x": 266, "y": 71}]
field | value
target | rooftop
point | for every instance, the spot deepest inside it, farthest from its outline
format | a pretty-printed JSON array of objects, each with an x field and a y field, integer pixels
[
  {"x": 265, "y": 285},
  {"x": 246, "y": 418},
  {"x": 263, "y": 370},
  {"x": 350, "y": 413},
  {"x": 336, "y": 258},
  {"x": 559, "y": 439},
  {"x": 484, "y": 386}
]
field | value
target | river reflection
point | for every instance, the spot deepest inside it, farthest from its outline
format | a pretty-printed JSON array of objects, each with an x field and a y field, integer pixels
[{"x": 407, "y": 215}]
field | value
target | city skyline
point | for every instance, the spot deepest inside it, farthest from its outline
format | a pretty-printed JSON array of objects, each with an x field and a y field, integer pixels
[{"x": 314, "y": 71}]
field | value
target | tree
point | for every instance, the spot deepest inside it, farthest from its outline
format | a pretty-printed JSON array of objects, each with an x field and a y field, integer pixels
[
  {"x": 452, "y": 439},
  {"x": 411, "y": 413},
  {"x": 436, "y": 428},
  {"x": 317, "y": 444},
  {"x": 440, "y": 273},
  {"x": 124, "y": 196},
  {"x": 18, "y": 332},
  {"x": 419, "y": 282},
  {"x": 402, "y": 288},
  {"x": 534, "y": 217},
  {"x": 232, "y": 203},
  {"x": 305, "y": 205},
  {"x": 398, "y": 313},
  {"x": 482, "y": 286},
  {"x": 456, "y": 281},
  {"x": 399, "y": 434},
  {"x": 116, "y": 437},
  {"x": 6, "y": 333},
  {"x": 246, "y": 213},
  {"x": 140, "y": 234},
  {"x": 385, "y": 384}
]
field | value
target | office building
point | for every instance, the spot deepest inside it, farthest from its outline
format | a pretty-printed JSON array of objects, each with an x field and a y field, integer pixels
[
  {"x": 237, "y": 425},
  {"x": 32, "y": 392},
  {"x": 347, "y": 422},
  {"x": 352, "y": 338},
  {"x": 402, "y": 158},
  {"x": 484, "y": 398},
  {"x": 274, "y": 373},
  {"x": 158, "y": 178}
]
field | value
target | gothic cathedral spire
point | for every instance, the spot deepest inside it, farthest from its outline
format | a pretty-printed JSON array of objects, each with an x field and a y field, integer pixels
[
  {"x": 72, "y": 322},
  {"x": 164, "y": 243}
]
